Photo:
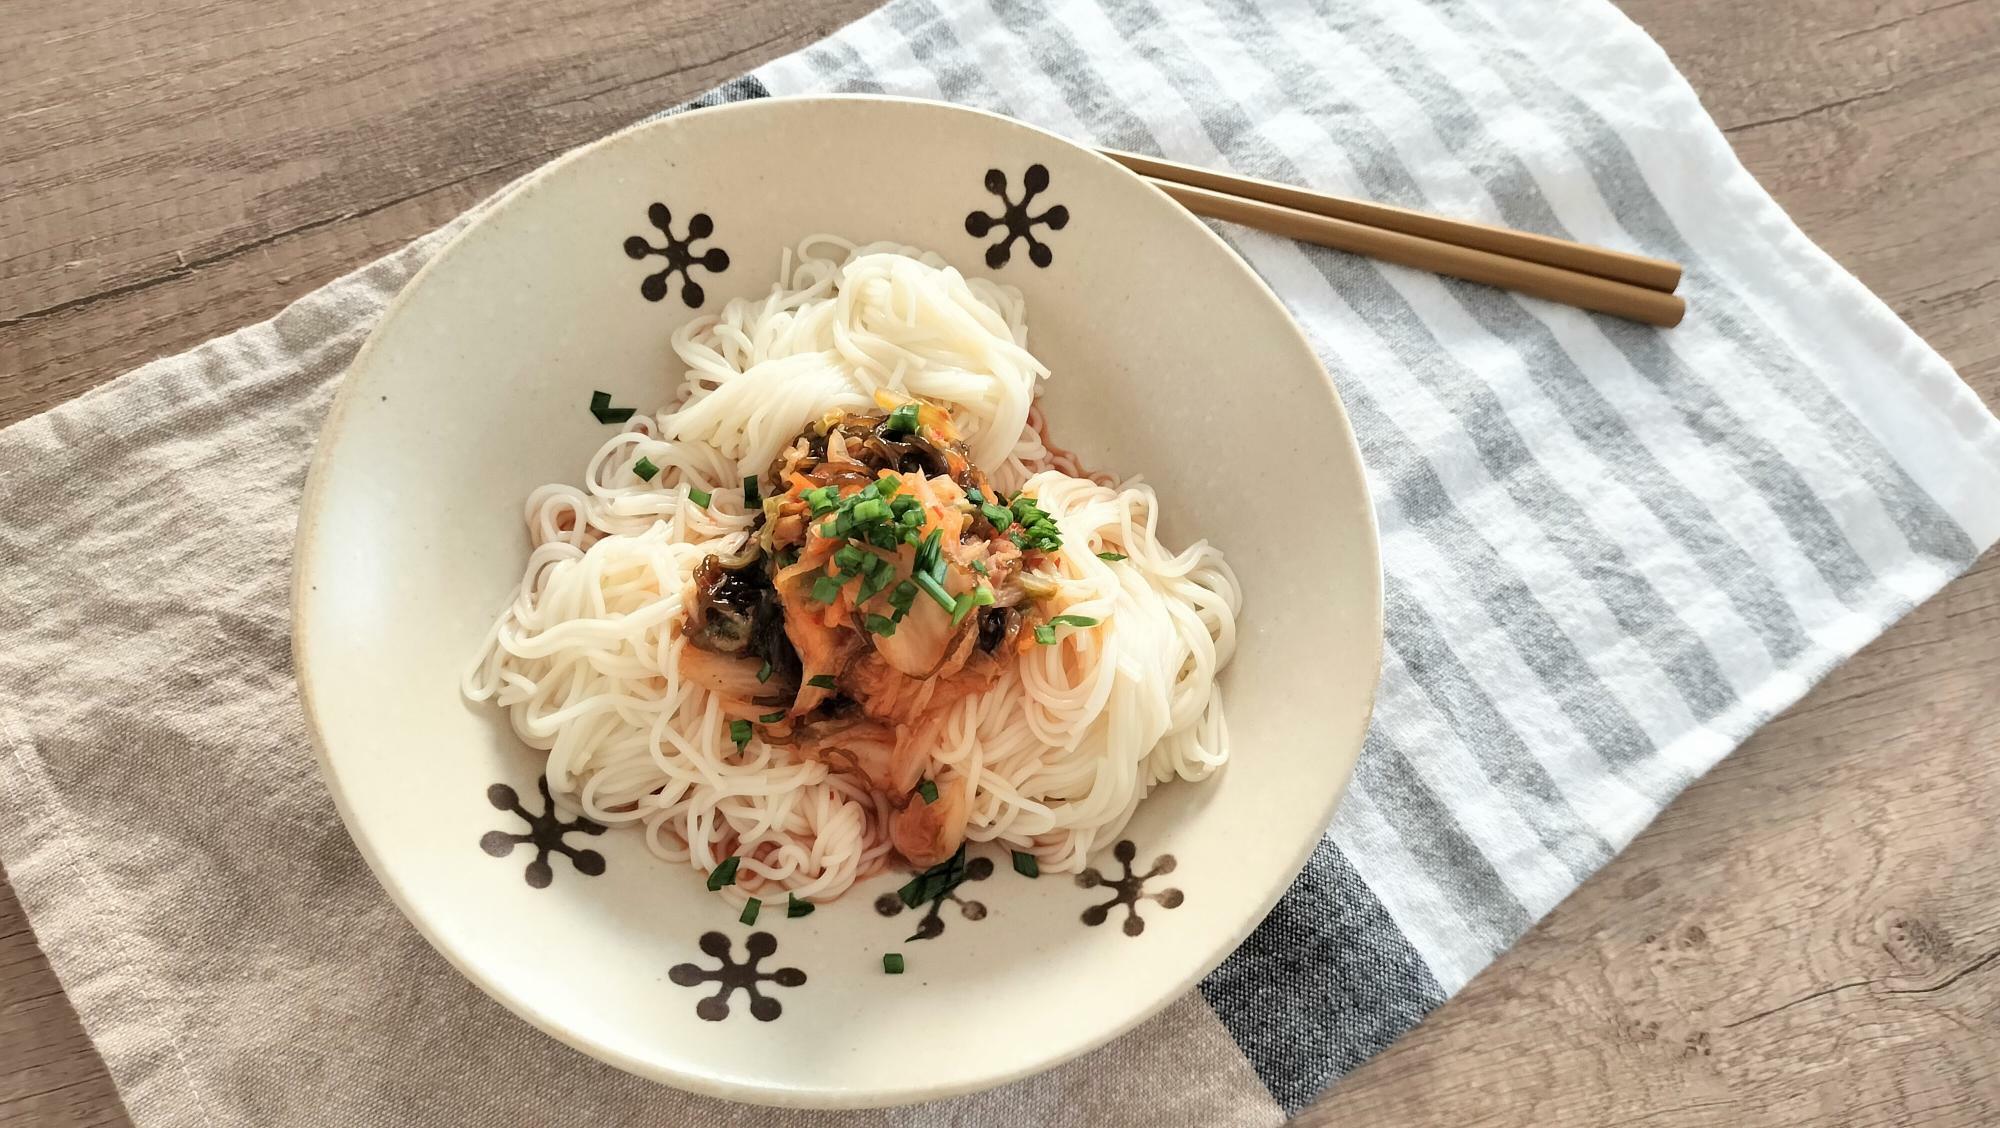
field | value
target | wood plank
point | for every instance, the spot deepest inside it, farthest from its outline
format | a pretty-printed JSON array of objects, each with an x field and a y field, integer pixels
[
  {"x": 172, "y": 173},
  {"x": 1810, "y": 934}
]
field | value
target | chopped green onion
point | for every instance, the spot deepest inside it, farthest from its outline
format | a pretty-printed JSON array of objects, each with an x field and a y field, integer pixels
[
  {"x": 724, "y": 873},
  {"x": 983, "y": 595},
  {"x": 764, "y": 672},
  {"x": 645, "y": 469},
  {"x": 979, "y": 566},
  {"x": 962, "y": 606},
  {"x": 1026, "y": 864},
  {"x": 1075, "y": 620},
  {"x": 850, "y": 559},
  {"x": 600, "y": 406},
  {"x": 934, "y": 882},
  {"x": 1000, "y": 517},
  {"x": 699, "y": 497},
  {"x": 1113, "y": 557},
  {"x": 887, "y": 487},
  {"x": 797, "y": 908},
  {"x": 750, "y": 494},
  {"x": 928, "y": 790},
  {"x": 871, "y": 509},
  {"x": 1045, "y": 634},
  {"x": 901, "y": 421},
  {"x": 871, "y": 583},
  {"x": 820, "y": 681},
  {"x": 892, "y": 963},
  {"x": 825, "y": 589},
  {"x": 772, "y": 718},
  {"x": 821, "y": 499},
  {"x": 904, "y": 595},
  {"x": 929, "y": 586},
  {"x": 739, "y": 731},
  {"x": 750, "y": 908},
  {"x": 973, "y": 495},
  {"x": 881, "y": 625}
]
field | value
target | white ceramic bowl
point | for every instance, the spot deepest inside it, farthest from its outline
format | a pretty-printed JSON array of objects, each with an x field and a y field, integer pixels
[{"x": 1171, "y": 360}]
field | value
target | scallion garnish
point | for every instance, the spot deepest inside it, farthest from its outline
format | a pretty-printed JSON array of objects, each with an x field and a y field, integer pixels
[
  {"x": 962, "y": 606},
  {"x": 979, "y": 566},
  {"x": 935, "y": 590},
  {"x": 699, "y": 497},
  {"x": 724, "y": 873},
  {"x": 1039, "y": 530},
  {"x": 764, "y": 672},
  {"x": 750, "y": 908},
  {"x": 739, "y": 731},
  {"x": 1026, "y": 864},
  {"x": 772, "y": 718},
  {"x": 797, "y": 908},
  {"x": 1045, "y": 634},
  {"x": 1075, "y": 620},
  {"x": 892, "y": 963},
  {"x": 645, "y": 469},
  {"x": 1113, "y": 557},
  {"x": 928, "y": 790},
  {"x": 880, "y": 624},
  {"x": 934, "y": 882},
  {"x": 850, "y": 559},
  {"x": 600, "y": 406},
  {"x": 901, "y": 421},
  {"x": 1000, "y": 517},
  {"x": 751, "y": 496},
  {"x": 821, "y": 681},
  {"x": 973, "y": 495},
  {"x": 983, "y": 595},
  {"x": 825, "y": 589}
]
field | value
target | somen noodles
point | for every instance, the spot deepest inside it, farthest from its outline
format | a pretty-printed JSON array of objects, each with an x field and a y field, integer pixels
[{"x": 842, "y": 600}]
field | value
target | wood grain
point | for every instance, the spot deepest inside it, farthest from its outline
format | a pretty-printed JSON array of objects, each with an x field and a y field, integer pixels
[{"x": 1810, "y": 935}]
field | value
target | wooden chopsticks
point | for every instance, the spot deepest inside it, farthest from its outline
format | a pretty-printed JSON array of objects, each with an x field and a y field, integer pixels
[{"x": 1595, "y": 278}]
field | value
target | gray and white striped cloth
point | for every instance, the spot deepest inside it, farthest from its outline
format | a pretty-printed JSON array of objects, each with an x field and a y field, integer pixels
[{"x": 1610, "y": 553}]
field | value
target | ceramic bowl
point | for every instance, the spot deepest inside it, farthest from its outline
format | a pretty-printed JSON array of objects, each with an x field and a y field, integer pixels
[{"x": 1171, "y": 360}]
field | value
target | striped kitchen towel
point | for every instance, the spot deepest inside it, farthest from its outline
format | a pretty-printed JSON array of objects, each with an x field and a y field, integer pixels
[{"x": 1610, "y": 554}]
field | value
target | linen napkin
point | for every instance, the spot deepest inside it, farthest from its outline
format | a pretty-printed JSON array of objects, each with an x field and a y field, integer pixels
[{"x": 1610, "y": 553}]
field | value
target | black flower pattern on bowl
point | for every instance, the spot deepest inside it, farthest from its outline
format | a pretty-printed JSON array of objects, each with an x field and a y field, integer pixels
[
  {"x": 732, "y": 977},
  {"x": 546, "y": 833},
  {"x": 1014, "y": 216},
  {"x": 679, "y": 254},
  {"x": 1130, "y": 889}
]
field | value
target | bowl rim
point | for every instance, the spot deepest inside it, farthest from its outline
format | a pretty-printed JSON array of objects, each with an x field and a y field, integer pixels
[{"x": 311, "y": 503}]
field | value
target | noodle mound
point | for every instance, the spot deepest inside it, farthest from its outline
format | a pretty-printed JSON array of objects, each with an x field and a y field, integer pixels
[{"x": 928, "y": 627}]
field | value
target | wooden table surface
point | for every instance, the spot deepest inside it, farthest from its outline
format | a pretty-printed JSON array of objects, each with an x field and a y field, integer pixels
[{"x": 1810, "y": 935}]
